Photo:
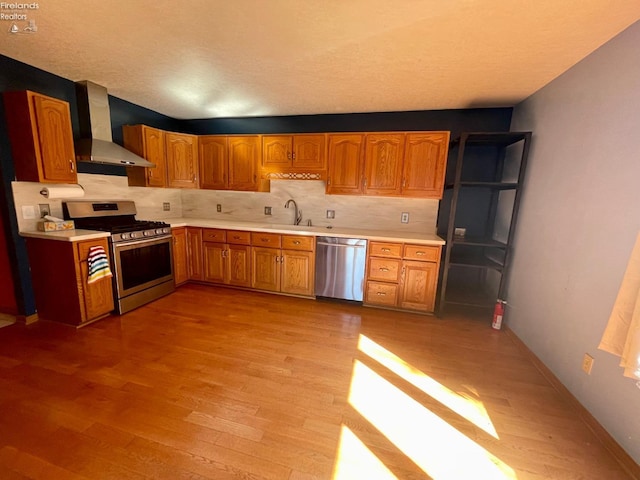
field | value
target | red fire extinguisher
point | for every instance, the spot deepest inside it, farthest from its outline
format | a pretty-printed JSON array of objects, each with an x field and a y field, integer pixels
[{"x": 498, "y": 313}]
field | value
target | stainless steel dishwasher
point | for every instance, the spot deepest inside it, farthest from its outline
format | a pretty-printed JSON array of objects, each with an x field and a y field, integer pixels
[{"x": 340, "y": 266}]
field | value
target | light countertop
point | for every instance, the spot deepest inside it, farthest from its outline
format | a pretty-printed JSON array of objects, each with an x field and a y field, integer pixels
[
  {"x": 75, "y": 235},
  {"x": 373, "y": 234}
]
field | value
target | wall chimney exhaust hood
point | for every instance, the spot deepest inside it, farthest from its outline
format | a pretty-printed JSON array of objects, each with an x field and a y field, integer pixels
[{"x": 96, "y": 143}]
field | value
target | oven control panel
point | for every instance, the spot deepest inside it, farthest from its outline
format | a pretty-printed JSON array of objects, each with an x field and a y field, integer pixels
[{"x": 141, "y": 234}]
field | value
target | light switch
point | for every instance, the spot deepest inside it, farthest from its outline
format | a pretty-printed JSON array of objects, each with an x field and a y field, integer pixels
[{"x": 29, "y": 212}]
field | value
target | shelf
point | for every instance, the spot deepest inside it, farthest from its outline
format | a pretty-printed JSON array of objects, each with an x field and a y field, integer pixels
[
  {"x": 473, "y": 261},
  {"x": 470, "y": 298},
  {"x": 492, "y": 139},
  {"x": 491, "y": 185},
  {"x": 478, "y": 242}
]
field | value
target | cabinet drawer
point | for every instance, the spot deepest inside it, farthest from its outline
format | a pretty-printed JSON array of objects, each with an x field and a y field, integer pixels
[
  {"x": 381, "y": 294},
  {"x": 237, "y": 237},
  {"x": 214, "y": 235},
  {"x": 297, "y": 242},
  {"x": 384, "y": 269},
  {"x": 265, "y": 239},
  {"x": 83, "y": 247},
  {"x": 379, "y": 249},
  {"x": 422, "y": 252}
]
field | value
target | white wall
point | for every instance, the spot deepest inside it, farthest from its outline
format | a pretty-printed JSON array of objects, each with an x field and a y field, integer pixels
[{"x": 579, "y": 219}]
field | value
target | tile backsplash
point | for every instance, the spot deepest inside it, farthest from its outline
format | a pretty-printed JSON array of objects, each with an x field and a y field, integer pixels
[{"x": 350, "y": 211}]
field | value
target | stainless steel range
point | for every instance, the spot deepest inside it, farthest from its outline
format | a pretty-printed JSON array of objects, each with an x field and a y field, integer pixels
[{"x": 140, "y": 250}]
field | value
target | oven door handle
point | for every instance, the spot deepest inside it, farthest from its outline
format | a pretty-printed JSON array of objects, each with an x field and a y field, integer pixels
[{"x": 142, "y": 241}]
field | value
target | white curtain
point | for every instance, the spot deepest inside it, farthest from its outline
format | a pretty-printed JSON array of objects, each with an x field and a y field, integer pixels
[{"x": 622, "y": 335}]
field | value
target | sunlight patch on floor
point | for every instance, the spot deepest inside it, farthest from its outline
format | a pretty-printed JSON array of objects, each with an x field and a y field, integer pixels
[
  {"x": 467, "y": 407},
  {"x": 355, "y": 460},
  {"x": 431, "y": 443}
]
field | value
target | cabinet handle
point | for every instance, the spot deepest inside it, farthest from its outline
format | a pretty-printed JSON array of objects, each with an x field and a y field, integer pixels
[
  {"x": 236, "y": 237},
  {"x": 383, "y": 269},
  {"x": 255, "y": 178},
  {"x": 420, "y": 253},
  {"x": 381, "y": 294},
  {"x": 71, "y": 166},
  {"x": 264, "y": 239},
  {"x": 293, "y": 156},
  {"x": 288, "y": 155},
  {"x": 296, "y": 242},
  {"x": 404, "y": 182},
  {"x": 364, "y": 182},
  {"x": 194, "y": 179},
  {"x": 328, "y": 180},
  {"x": 386, "y": 250}
]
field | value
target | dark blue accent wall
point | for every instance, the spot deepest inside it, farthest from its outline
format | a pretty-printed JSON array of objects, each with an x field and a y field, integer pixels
[
  {"x": 456, "y": 121},
  {"x": 15, "y": 75}
]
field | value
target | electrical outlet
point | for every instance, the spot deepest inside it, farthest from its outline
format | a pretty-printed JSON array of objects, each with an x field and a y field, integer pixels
[
  {"x": 219, "y": 207},
  {"x": 44, "y": 209},
  {"x": 459, "y": 232},
  {"x": 404, "y": 218},
  {"x": 29, "y": 212},
  {"x": 166, "y": 206},
  {"x": 587, "y": 364},
  {"x": 331, "y": 214},
  {"x": 267, "y": 210}
]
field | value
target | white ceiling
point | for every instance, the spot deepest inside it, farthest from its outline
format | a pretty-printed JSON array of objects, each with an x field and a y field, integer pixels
[{"x": 221, "y": 58}]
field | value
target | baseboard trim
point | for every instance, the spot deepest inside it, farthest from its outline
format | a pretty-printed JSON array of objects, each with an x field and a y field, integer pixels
[
  {"x": 27, "y": 319},
  {"x": 621, "y": 456}
]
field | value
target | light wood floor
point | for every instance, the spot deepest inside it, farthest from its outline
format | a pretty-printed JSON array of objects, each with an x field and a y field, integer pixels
[{"x": 212, "y": 383}]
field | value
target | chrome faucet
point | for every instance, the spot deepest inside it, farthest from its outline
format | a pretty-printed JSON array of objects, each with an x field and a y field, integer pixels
[{"x": 297, "y": 214}]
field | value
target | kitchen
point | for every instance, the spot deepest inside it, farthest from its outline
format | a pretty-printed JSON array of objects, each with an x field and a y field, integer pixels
[{"x": 124, "y": 113}]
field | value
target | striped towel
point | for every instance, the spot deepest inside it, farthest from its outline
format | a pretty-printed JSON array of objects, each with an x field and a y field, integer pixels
[{"x": 98, "y": 264}]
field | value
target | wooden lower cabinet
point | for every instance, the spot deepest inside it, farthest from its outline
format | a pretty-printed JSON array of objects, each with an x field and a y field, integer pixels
[
  {"x": 194, "y": 253},
  {"x": 227, "y": 259},
  {"x": 403, "y": 276},
  {"x": 59, "y": 272},
  {"x": 285, "y": 265},
  {"x": 179, "y": 253}
]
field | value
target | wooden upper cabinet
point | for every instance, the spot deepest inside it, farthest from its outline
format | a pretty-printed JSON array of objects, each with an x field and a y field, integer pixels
[
  {"x": 41, "y": 137},
  {"x": 244, "y": 155},
  {"x": 277, "y": 151},
  {"x": 309, "y": 152},
  {"x": 294, "y": 153},
  {"x": 345, "y": 164},
  {"x": 383, "y": 164},
  {"x": 149, "y": 143},
  {"x": 182, "y": 160},
  {"x": 213, "y": 159},
  {"x": 425, "y": 160}
]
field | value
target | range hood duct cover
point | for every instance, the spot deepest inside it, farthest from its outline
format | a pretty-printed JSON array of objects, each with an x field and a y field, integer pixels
[{"x": 96, "y": 143}]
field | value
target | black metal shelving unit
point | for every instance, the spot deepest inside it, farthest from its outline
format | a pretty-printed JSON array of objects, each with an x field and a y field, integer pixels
[{"x": 482, "y": 195}]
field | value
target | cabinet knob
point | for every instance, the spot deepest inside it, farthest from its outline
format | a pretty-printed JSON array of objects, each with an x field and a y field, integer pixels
[
  {"x": 72, "y": 166},
  {"x": 296, "y": 242}
]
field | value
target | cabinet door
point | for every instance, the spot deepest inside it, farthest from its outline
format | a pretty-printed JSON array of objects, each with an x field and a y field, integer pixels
[
  {"x": 214, "y": 260},
  {"x": 155, "y": 152},
  {"x": 265, "y": 270},
  {"x": 345, "y": 164},
  {"x": 56, "y": 140},
  {"x": 418, "y": 290},
  {"x": 238, "y": 265},
  {"x": 179, "y": 253},
  {"x": 148, "y": 143},
  {"x": 425, "y": 160},
  {"x": 244, "y": 155},
  {"x": 194, "y": 253},
  {"x": 276, "y": 151},
  {"x": 213, "y": 162},
  {"x": 182, "y": 160},
  {"x": 98, "y": 296},
  {"x": 298, "y": 272},
  {"x": 309, "y": 152},
  {"x": 383, "y": 164}
]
